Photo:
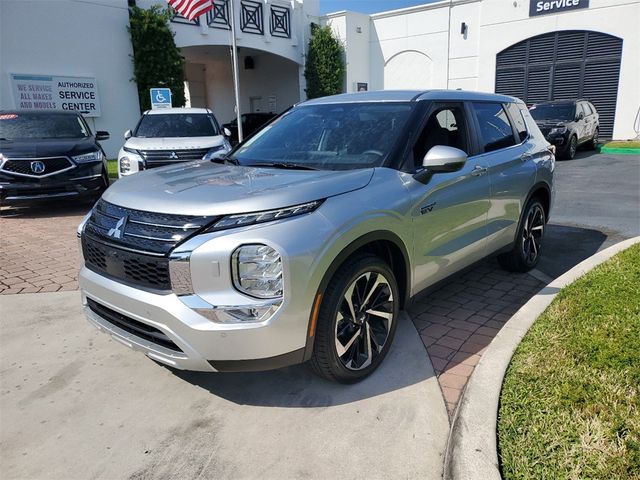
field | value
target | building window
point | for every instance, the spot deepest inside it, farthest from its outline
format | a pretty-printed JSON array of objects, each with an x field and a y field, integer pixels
[
  {"x": 219, "y": 16},
  {"x": 251, "y": 20},
  {"x": 280, "y": 22}
]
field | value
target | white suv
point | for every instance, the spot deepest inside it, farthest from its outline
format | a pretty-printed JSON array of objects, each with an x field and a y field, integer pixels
[{"x": 171, "y": 135}]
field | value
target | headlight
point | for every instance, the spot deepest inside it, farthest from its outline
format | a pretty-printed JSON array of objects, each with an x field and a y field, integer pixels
[
  {"x": 257, "y": 271},
  {"x": 558, "y": 130},
  {"x": 125, "y": 165},
  {"x": 215, "y": 151},
  {"x": 244, "y": 219},
  {"x": 88, "y": 157}
]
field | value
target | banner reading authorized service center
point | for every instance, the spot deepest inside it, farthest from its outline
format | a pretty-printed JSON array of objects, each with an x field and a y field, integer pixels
[{"x": 48, "y": 92}]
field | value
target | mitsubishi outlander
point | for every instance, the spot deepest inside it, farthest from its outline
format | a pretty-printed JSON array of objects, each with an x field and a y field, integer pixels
[{"x": 305, "y": 241}]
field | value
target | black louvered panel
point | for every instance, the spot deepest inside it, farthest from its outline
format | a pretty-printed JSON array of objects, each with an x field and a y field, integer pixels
[
  {"x": 599, "y": 45},
  {"x": 601, "y": 89},
  {"x": 564, "y": 65},
  {"x": 511, "y": 82},
  {"x": 538, "y": 85},
  {"x": 566, "y": 82},
  {"x": 541, "y": 49},
  {"x": 515, "y": 55},
  {"x": 570, "y": 46}
]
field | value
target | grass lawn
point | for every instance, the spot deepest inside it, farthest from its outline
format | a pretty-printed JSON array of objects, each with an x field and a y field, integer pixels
[
  {"x": 112, "y": 165},
  {"x": 623, "y": 144},
  {"x": 570, "y": 402}
]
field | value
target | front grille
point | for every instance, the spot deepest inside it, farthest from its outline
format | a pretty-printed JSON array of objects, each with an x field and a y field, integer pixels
[
  {"x": 136, "y": 269},
  {"x": 157, "y": 233},
  {"x": 158, "y": 158},
  {"x": 128, "y": 324},
  {"x": 133, "y": 246},
  {"x": 31, "y": 167}
]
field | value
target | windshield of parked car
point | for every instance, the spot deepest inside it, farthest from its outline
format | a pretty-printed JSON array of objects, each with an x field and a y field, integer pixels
[
  {"x": 41, "y": 125},
  {"x": 330, "y": 136},
  {"x": 176, "y": 125},
  {"x": 553, "y": 112}
]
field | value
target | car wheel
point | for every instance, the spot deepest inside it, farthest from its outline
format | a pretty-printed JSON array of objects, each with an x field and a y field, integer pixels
[
  {"x": 593, "y": 145},
  {"x": 527, "y": 247},
  {"x": 571, "y": 149},
  {"x": 356, "y": 321}
]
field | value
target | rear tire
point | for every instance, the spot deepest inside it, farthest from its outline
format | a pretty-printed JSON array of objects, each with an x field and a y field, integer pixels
[
  {"x": 527, "y": 247},
  {"x": 593, "y": 144},
  {"x": 357, "y": 320}
]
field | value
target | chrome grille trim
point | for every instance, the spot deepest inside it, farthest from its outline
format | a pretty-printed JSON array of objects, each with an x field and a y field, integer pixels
[{"x": 71, "y": 166}]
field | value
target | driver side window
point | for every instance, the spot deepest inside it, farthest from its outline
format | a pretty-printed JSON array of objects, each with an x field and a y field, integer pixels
[{"x": 445, "y": 126}]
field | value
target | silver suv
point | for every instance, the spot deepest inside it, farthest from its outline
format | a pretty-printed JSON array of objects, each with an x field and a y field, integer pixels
[{"x": 305, "y": 242}]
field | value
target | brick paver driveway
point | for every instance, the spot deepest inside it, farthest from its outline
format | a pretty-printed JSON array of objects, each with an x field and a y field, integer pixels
[{"x": 39, "y": 250}]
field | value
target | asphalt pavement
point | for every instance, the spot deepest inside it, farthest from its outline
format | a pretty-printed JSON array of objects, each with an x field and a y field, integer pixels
[{"x": 597, "y": 204}]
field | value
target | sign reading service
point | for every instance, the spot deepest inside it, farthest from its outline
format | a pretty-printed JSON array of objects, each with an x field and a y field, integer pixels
[
  {"x": 47, "y": 92},
  {"x": 544, "y": 7}
]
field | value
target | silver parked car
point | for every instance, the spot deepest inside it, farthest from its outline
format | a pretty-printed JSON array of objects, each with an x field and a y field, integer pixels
[{"x": 305, "y": 242}]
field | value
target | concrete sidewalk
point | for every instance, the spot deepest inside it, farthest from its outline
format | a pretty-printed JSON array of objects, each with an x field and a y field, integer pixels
[{"x": 76, "y": 404}]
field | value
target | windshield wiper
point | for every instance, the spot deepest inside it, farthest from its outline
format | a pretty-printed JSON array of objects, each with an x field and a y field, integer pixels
[{"x": 289, "y": 166}]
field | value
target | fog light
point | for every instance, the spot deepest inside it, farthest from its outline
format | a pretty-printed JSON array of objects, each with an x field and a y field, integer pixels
[{"x": 257, "y": 271}]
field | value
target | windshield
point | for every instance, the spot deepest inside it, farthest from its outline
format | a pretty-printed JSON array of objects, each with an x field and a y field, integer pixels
[
  {"x": 331, "y": 137},
  {"x": 39, "y": 125},
  {"x": 553, "y": 112},
  {"x": 177, "y": 125}
]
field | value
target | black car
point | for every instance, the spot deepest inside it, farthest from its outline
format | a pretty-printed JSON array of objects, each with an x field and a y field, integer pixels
[
  {"x": 49, "y": 155},
  {"x": 567, "y": 124},
  {"x": 250, "y": 123}
]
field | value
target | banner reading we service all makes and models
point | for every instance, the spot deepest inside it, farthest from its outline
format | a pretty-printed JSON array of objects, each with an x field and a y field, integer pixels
[{"x": 48, "y": 92}]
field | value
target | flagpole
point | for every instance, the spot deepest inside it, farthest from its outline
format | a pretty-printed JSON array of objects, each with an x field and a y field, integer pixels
[{"x": 236, "y": 82}]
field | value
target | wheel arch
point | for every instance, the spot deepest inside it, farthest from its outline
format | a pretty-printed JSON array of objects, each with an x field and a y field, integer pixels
[{"x": 383, "y": 243}]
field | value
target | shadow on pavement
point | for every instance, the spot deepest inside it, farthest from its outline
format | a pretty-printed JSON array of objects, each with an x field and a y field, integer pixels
[{"x": 298, "y": 387}]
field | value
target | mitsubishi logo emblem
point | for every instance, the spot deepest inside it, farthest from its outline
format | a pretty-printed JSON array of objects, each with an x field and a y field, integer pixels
[
  {"x": 37, "y": 167},
  {"x": 116, "y": 232},
  {"x": 173, "y": 156}
]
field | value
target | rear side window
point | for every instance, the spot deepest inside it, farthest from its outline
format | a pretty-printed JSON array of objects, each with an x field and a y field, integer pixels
[
  {"x": 587, "y": 108},
  {"x": 495, "y": 128},
  {"x": 518, "y": 121}
]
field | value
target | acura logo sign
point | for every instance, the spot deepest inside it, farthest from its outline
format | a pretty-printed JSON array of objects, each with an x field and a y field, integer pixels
[
  {"x": 116, "y": 232},
  {"x": 37, "y": 167}
]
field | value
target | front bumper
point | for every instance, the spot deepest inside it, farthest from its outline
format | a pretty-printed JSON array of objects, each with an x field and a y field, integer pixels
[
  {"x": 202, "y": 343},
  {"x": 81, "y": 182}
]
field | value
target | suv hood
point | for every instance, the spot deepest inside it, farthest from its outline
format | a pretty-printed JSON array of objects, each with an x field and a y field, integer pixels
[
  {"x": 46, "y": 147},
  {"x": 206, "y": 188},
  {"x": 171, "y": 143}
]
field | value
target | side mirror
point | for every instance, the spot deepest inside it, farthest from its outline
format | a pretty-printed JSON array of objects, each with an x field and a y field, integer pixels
[
  {"x": 102, "y": 135},
  {"x": 580, "y": 116},
  {"x": 227, "y": 132},
  {"x": 127, "y": 135},
  {"x": 440, "y": 159}
]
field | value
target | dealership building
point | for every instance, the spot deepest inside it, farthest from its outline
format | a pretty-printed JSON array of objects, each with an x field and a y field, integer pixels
[{"x": 78, "y": 53}]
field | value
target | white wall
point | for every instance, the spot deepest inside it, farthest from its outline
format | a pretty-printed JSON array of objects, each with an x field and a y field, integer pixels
[
  {"x": 408, "y": 48},
  {"x": 68, "y": 38}
]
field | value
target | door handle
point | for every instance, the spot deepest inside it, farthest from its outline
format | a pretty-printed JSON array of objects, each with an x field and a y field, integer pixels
[{"x": 478, "y": 171}]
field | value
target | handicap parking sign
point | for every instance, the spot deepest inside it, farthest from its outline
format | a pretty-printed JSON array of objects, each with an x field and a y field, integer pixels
[{"x": 160, "y": 98}]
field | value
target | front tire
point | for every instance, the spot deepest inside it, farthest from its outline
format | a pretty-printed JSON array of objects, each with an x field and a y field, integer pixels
[
  {"x": 571, "y": 149},
  {"x": 527, "y": 247},
  {"x": 357, "y": 320}
]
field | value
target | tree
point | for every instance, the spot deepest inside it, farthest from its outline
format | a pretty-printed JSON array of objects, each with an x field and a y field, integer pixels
[
  {"x": 324, "y": 70},
  {"x": 156, "y": 59}
]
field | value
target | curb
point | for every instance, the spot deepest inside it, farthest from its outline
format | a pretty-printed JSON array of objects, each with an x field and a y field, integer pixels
[
  {"x": 620, "y": 151},
  {"x": 472, "y": 449}
]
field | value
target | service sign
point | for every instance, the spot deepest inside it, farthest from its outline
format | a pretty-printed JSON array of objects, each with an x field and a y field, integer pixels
[
  {"x": 544, "y": 7},
  {"x": 48, "y": 92}
]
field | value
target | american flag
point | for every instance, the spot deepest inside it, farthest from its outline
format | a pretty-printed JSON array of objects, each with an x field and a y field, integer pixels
[{"x": 191, "y": 9}]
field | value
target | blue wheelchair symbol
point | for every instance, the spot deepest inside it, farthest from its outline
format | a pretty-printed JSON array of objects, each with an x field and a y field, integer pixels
[{"x": 160, "y": 97}]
